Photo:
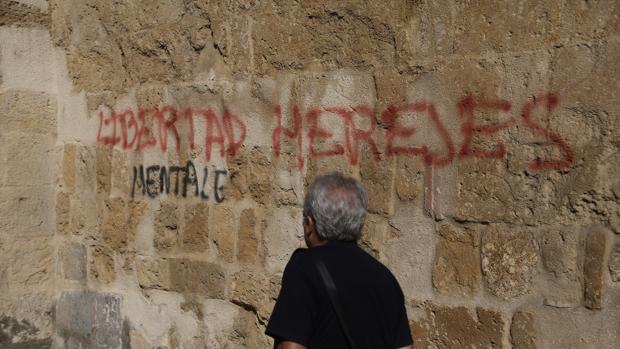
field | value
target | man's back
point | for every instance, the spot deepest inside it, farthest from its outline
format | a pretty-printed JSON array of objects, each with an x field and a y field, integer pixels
[{"x": 373, "y": 306}]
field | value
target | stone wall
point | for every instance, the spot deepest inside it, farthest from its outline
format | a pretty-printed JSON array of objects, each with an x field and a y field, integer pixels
[{"x": 155, "y": 156}]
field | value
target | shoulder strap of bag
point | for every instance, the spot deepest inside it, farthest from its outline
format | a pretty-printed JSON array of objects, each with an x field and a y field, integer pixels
[{"x": 332, "y": 291}]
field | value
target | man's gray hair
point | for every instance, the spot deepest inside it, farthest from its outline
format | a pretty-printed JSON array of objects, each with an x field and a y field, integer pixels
[{"x": 338, "y": 205}]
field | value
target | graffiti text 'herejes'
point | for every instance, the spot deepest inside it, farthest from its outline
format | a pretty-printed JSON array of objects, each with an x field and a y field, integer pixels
[{"x": 225, "y": 133}]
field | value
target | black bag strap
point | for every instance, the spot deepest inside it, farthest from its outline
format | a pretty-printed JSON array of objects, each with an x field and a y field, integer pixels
[{"x": 332, "y": 291}]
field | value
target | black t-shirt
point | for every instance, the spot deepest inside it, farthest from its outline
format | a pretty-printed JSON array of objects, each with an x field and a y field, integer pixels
[{"x": 372, "y": 301}]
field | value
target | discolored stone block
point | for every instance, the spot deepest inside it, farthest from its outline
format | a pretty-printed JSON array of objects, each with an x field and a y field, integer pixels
[
  {"x": 101, "y": 266},
  {"x": 72, "y": 261},
  {"x": 447, "y": 327},
  {"x": 509, "y": 261},
  {"x": 89, "y": 319},
  {"x": 456, "y": 269},
  {"x": 223, "y": 233},
  {"x": 191, "y": 276},
  {"x": 21, "y": 333},
  {"x": 195, "y": 233},
  {"x": 593, "y": 268},
  {"x": 523, "y": 331},
  {"x": 248, "y": 240}
]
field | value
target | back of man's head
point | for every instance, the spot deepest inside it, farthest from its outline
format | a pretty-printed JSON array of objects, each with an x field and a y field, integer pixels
[{"x": 337, "y": 204}]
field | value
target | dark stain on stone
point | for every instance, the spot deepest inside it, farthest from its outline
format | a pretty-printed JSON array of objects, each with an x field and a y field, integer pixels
[
  {"x": 11, "y": 328},
  {"x": 22, "y": 15}
]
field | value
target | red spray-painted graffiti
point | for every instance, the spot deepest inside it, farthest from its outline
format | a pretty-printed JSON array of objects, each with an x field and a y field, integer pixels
[{"x": 148, "y": 128}]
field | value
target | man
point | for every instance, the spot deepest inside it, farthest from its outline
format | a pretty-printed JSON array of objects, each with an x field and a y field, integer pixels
[{"x": 371, "y": 300}]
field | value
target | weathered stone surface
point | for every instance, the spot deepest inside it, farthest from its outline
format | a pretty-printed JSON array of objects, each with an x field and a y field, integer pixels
[
  {"x": 21, "y": 334},
  {"x": 30, "y": 263},
  {"x": 31, "y": 112},
  {"x": 223, "y": 233},
  {"x": 89, "y": 319},
  {"x": 63, "y": 212},
  {"x": 578, "y": 328},
  {"x": 18, "y": 14},
  {"x": 509, "y": 261},
  {"x": 282, "y": 235},
  {"x": 249, "y": 237},
  {"x": 153, "y": 273},
  {"x": 456, "y": 269},
  {"x": 408, "y": 181},
  {"x": 614, "y": 263},
  {"x": 68, "y": 167},
  {"x": 446, "y": 327},
  {"x": 72, "y": 261},
  {"x": 374, "y": 235},
  {"x": 251, "y": 288},
  {"x": 120, "y": 222},
  {"x": 102, "y": 267},
  {"x": 593, "y": 268},
  {"x": 35, "y": 206},
  {"x": 523, "y": 331},
  {"x": 560, "y": 253},
  {"x": 190, "y": 276},
  {"x": 195, "y": 233},
  {"x": 166, "y": 227},
  {"x": 104, "y": 170},
  {"x": 378, "y": 179}
]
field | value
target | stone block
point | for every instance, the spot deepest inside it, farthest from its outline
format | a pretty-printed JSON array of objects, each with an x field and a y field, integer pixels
[
  {"x": 260, "y": 175},
  {"x": 63, "y": 212},
  {"x": 409, "y": 254},
  {"x": 456, "y": 269},
  {"x": 457, "y": 327},
  {"x": 593, "y": 269},
  {"x": 153, "y": 273},
  {"x": 378, "y": 179},
  {"x": 282, "y": 235},
  {"x": 254, "y": 290},
  {"x": 223, "y": 232},
  {"x": 509, "y": 261},
  {"x": 72, "y": 261},
  {"x": 484, "y": 194},
  {"x": 120, "y": 222},
  {"x": 167, "y": 227},
  {"x": 614, "y": 264},
  {"x": 27, "y": 211},
  {"x": 560, "y": 253},
  {"x": 103, "y": 160},
  {"x": 68, "y": 167},
  {"x": 30, "y": 263},
  {"x": 88, "y": 319},
  {"x": 195, "y": 232},
  {"x": 102, "y": 267},
  {"x": 27, "y": 111},
  {"x": 523, "y": 331},
  {"x": 374, "y": 235},
  {"x": 191, "y": 276},
  {"x": 577, "y": 328},
  {"x": 27, "y": 158},
  {"x": 409, "y": 178},
  {"x": 249, "y": 238}
]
